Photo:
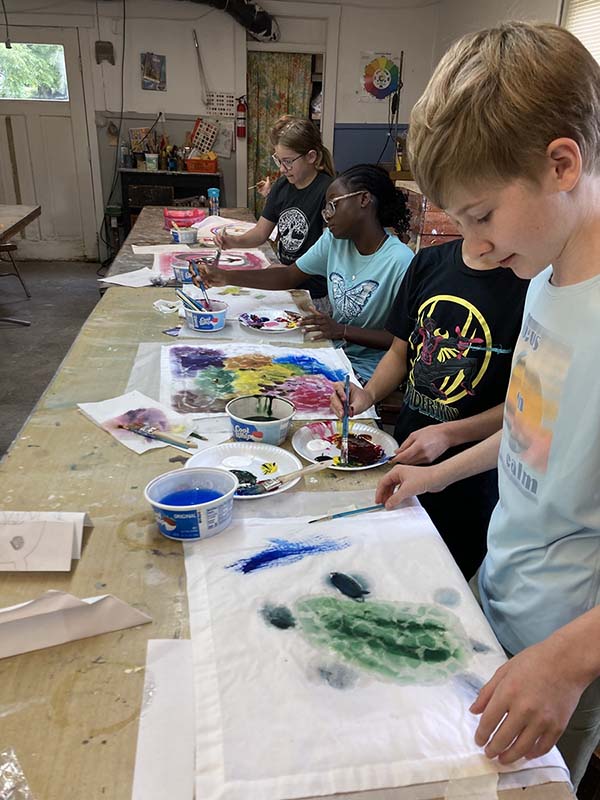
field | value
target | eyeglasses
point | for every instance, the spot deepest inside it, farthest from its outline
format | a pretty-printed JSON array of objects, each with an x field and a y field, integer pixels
[
  {"x": 286, "y": 163},
  {"x": 329, "y": 209}
]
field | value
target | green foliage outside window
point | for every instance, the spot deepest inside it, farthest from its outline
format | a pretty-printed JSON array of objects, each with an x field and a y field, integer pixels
[{"x": 33, "y": 72}]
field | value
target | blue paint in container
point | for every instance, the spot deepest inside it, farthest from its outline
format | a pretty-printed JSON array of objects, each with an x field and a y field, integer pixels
[
  {"x": 191, "y": 504},
  {"x": 190, "y": 497}
]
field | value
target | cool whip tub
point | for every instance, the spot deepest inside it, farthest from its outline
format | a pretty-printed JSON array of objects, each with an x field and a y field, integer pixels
[
  {"x": 192, "y": 504},
  {"x": 212, "y": 320},
  {"x": 181, "y": 270},
  {"x": 184, "y": 235},
  {"x": 260, "y": 418}
]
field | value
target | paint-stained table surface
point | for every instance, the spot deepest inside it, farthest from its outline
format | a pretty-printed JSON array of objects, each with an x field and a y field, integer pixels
[
  {"x": 71, "y": 712},
  {"x": 149, "y": 229},
  {"x": 14, "y": 218}
]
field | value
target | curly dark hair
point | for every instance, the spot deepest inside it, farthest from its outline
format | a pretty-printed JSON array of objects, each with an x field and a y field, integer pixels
[{"x": 390, "y": 202}]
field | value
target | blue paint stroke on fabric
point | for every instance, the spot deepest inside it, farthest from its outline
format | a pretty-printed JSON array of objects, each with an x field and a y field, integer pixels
[
  {"x": 281, "y": 552},
  {"x": 192, "y": 360},
  {"x": 311, "y": 366}
]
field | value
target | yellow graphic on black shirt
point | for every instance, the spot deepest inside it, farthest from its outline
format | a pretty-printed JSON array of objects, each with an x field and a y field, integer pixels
[{"x": 446, "y": 367}]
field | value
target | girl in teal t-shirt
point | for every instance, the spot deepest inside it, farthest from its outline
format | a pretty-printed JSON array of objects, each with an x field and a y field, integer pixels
[{"x": 363, "y": 264}]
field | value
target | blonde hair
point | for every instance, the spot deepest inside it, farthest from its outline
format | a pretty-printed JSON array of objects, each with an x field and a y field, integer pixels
[
  {"x": 302, "y": 135},
  {"x": 496, "y": 101}
]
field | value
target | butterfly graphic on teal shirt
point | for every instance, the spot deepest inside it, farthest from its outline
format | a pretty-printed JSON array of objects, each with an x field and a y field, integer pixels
[{"x": 351, "y": 301}]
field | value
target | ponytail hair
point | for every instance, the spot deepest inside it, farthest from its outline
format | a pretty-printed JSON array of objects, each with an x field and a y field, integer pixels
[
  {"x": 302, "y": 135},
  {"x": 390, "y": 202}
]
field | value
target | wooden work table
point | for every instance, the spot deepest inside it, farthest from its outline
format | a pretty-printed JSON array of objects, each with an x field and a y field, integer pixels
[
  {"x": 71, "y": 712},
  {"x": 13, "y": 219}
]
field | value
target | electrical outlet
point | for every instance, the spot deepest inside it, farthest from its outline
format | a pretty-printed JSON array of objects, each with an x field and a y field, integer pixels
[{"x": 163, "y": 116}]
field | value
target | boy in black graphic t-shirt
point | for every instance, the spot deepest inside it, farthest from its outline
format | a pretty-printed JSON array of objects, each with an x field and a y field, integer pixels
[{"x": 455, "y": 327}]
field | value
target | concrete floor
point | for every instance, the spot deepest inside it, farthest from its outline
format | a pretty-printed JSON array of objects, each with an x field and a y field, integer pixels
[{"x": 63, "y": 295}]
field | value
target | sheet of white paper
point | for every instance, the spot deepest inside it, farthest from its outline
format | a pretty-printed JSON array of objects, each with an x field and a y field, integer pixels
[
  {"x": 151, "y": 249},
  {"x": 134, "y": 408},
  {"x": 356, "y": 723},
  {"x": 79, "y": 520},
  {"x": 36, "y": 546},
  {"x": 57, "y": 617},
  {"x": 305, "y": 376},
  {"x": 235, "y": 226},
  {"x": 164, "y": 761},
  {"x": 137, "y": 278}
]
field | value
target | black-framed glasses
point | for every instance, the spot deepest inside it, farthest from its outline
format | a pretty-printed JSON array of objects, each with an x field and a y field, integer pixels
[
  {"x": 286, "y": 163},
  {"x": 329, "y": 210}
]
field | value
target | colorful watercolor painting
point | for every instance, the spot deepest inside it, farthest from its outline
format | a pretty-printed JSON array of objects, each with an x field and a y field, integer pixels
[
  {"x": 230, "y": 259},
  {"x": 136, "y": 410},
  {"x": 200, "y": 379},
  {"x": 360, "y": 642}
]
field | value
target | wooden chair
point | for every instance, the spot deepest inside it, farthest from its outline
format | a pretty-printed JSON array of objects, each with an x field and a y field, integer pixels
[{"x": 8, "y": 248}]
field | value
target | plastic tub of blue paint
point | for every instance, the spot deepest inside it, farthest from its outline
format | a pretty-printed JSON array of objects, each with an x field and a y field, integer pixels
[
  {"x": 192, "y": 504},
  {"x": 262, "y": 418},
  {"x": 181, "y": 270},
  {"x": 213, "y": 320}
]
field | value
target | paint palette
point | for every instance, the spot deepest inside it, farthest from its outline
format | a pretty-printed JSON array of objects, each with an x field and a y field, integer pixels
[
  {"x": 251, "y": 462},
  {"x": 237, "y": 229},
  {"x": 271, "y": 320},
  {"x": 317, "y": 441}
]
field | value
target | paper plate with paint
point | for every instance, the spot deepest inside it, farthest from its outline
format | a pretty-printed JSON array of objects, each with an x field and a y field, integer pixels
[
  {"x": 250, "y": 462},
  {"x": 368, "y": 447},
  {"x": 271, "y": 320}
]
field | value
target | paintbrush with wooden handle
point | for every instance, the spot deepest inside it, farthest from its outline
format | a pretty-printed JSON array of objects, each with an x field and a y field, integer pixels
[
  {"x": 151, "y": 432},
  {"x": 270, "y": 484}
]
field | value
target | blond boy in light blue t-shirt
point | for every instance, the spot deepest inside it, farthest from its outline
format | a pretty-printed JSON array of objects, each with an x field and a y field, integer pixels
[{"x": 506, "y": 138}]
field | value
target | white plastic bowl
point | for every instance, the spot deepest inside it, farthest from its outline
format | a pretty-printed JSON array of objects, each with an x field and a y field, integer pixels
[
  {"x": 212, "y": 320},
  {"x": 198, "y": 521},
  {"x": 277, "y": 411}
]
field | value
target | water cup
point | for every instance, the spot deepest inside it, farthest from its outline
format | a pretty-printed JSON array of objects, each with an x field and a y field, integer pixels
[
  {"x": 184, "y": 235},
  {"x": 181, "y": 270},
  {"x": 152, "y": 162},
  {"x": 213, "y": 200},
  {"x": 260, "y": 418},
  {"x": 213, "y": 320},
  {"x": 208, "y": 492}
]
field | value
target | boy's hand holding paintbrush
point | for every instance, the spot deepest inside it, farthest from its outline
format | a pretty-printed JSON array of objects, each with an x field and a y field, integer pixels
[
  {"x": 208, "y": 273},
  {"x": 360, "y": 399}
]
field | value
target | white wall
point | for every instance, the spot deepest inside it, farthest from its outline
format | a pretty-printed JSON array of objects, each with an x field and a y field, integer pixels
[
  {"x": 466, "y": 16},
  {"x": 413, "y": 30},
  {"x": 165, "y": 28}
]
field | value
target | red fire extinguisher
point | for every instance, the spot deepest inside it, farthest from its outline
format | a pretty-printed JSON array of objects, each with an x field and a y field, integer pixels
[{"x": 240, "y": 118}]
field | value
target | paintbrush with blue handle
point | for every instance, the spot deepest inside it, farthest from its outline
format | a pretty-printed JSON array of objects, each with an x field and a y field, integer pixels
[
  {"x": 194, "y": 265},
  {"x": 341, "y": 514},
  {"x": 345, "y": 419}
]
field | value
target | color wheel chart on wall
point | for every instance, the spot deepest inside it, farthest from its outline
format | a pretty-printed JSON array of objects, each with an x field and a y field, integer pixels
[{"x": 380, "y": 75}]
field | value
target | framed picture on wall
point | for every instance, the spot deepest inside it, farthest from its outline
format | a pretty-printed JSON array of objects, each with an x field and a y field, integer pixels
[{"x": 154, "y": 72}]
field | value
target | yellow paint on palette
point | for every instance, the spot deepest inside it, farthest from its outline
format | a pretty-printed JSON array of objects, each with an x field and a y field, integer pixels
[{"x": 269, "y": 468}]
